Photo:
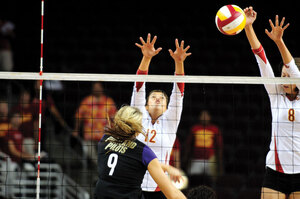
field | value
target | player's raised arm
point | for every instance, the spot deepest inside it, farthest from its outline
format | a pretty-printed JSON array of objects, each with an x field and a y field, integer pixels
[
  {"x": 148, "y": 51},
  {"x": 251, "y": 36},
  {"x": 138, "y": 98},
  {"x": 179, "y": 55},
  {"x": 176, "y": 98},
  {"x": 260, "y": 55},
  {"x": 276, "y": 35}
]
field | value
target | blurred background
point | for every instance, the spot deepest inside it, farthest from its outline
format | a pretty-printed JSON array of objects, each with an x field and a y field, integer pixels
[{"x": 99, "y": 37}]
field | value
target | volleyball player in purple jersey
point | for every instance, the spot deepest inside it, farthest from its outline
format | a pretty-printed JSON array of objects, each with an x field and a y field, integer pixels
[{"x": 123, "y": 160}]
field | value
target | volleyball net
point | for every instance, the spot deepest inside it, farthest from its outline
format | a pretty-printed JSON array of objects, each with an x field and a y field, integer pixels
[{"x": 222, "y": 139}]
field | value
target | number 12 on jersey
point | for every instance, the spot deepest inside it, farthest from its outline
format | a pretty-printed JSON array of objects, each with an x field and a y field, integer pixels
[{"x": 153, "y": 134}]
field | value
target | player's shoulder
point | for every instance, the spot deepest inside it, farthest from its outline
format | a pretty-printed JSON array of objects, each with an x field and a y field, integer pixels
[
  {"x": 109, "y": 100},
  {"x": 196, "y": 127},
  {"x": 141, "y": 146},
  {"x": 214, "y": 127},
  {"x": 139, "y": 143},
  {"x": 87, "y": 99}
]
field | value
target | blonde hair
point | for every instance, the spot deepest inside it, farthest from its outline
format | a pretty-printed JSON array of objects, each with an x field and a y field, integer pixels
[{"x": 127, "y": 124}]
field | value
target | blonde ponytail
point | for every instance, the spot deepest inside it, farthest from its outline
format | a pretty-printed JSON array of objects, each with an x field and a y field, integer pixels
[{"x": 127, "y": 124}]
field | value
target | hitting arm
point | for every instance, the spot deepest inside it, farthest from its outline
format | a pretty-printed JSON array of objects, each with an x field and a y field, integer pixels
[
  {"x": 164, "y": 183},
  {"x": 263, "y": 63}
]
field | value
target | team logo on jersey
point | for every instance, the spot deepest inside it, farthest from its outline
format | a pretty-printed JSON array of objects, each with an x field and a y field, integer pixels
[{"x": 119, "y": 147}]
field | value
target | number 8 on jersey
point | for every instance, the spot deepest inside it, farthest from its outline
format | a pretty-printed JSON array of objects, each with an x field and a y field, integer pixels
[{"x": 291, "y": 115}]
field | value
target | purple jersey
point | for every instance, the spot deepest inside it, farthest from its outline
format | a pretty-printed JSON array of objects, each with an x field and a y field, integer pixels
[{"x": 121, "y": 168}]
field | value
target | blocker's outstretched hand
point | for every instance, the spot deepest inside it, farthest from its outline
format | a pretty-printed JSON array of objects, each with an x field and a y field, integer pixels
[
  {"x": 179, "y": 56},
  {"x": 180, "y": 53},
  {"x": 147, "y": 47},
  {"x": 277, "y": 31}
]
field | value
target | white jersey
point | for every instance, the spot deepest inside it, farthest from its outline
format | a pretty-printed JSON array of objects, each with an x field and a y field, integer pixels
[
  {"x": 162, "y": 134},
  {"x": 284, "y": 153}
]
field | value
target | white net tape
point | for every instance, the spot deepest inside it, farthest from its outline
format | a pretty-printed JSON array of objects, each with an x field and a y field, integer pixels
[{"x": 147, "y": 78}]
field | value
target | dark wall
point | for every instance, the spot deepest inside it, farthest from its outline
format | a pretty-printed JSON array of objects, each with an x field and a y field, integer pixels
[{"x": 92, "y": 36}]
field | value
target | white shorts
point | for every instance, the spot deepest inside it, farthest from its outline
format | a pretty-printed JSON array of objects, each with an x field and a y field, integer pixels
[{"x": 207, "y": 167}]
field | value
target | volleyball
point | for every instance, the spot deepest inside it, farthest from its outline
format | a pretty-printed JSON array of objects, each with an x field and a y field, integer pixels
[
  {"x": 183, "y": 183},
  {"x": 230, "y": 20}
]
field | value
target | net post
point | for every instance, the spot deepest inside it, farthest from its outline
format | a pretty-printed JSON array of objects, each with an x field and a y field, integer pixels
[{"x": 40, "y": 102}]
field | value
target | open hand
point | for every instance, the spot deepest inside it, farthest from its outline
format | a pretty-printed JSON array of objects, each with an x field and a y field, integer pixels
[
  {"x": 174, "y": 173},
  {"x": 277, "y": 31},
  {"x": 180, "y": 53},
  {"x": 147, "y": 48}
]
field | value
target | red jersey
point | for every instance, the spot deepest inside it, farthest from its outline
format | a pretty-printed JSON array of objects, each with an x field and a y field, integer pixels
[
  {"x": 93, "y": 112},
  {"x": 207, "y": 139},
  {"x": 176, "y": 148},
  {"x": 17, "y": 138},
  {"x": 4, "y": 125},
  {"x": 27, "y": 117}
]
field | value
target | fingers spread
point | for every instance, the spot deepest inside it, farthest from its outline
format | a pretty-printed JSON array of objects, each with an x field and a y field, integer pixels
[
  {"x": 182, "y": 44},
  {"x": 285, "y": 27},
  {"x": 267, "y": 32},
  {"x": 142, "y": 40},
  {"x": 271, "y": 23},
  {"x": 158, "y": 50},
  {"x": 153, "y": 40},
  {"x": 176, "y": 43},
  {"x": 276, "y": 20},
  {"x": 148, "y": 38},
  {"x": 138, "y": 45},
  {"x": 282, "y": 22},
  {"x": 186, "y": 49}
]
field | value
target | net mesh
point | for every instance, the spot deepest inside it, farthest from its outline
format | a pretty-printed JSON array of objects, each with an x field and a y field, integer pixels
[
  {"x": 228, "y": 153},
  {"x": 222, "y": 139}
]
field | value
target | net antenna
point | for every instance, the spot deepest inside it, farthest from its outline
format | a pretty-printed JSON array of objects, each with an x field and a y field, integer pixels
[{"x": 40, "y": 102}]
